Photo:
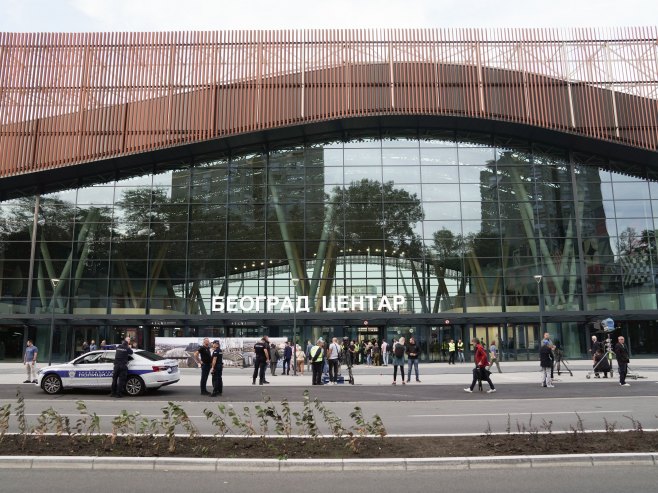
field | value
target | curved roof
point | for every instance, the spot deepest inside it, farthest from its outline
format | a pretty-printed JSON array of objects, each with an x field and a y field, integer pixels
[{"x": 71, "y": 99}]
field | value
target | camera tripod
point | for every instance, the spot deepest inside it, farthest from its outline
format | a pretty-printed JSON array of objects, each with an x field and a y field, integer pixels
[
  {"x": 598, "y": 367},
  {"x": 561, "y": 361}
]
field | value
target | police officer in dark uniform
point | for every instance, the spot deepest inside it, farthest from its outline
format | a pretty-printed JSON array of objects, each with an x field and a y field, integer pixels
[
  {"x": 120, "y": 371},
  {"x": 216, "y": 368},
  {"x": 262, "y": 350}
]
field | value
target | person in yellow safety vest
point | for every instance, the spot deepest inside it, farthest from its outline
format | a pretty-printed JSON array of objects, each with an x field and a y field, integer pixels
[
  {"x": 460, "y": 350},
  {"x": 317, "y": 361},
  {"x": 451, "y": 352}
]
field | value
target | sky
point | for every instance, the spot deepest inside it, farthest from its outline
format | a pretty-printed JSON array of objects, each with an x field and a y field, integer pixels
[{"x": 204, "y": 15}]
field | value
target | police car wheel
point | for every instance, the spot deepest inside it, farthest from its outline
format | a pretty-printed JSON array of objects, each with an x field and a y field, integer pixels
[
  {"x": 135, "y": 386},
  {"x": 51, "y": 384}
]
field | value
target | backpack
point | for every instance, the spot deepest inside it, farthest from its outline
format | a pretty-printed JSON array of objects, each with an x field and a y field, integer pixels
[{"x": 399, "y": 350}]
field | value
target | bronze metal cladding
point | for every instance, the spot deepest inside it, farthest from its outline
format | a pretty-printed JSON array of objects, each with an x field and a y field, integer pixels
[{"x": 74, "y": 98}]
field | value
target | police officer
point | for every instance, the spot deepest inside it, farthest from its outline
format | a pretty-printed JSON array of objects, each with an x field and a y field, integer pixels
[
  {"x": 316, "y": 357},
  {"x": 120, "y": 372},
  {"x": 262, "y": 350},
  {"x": 216, "y": 368}
]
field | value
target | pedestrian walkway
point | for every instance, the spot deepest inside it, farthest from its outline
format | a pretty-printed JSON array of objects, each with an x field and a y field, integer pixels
[{"x": 514, "y": 372}]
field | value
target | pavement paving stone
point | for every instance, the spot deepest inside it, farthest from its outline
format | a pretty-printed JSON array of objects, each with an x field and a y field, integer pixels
[{"x": 515, "y": 372}]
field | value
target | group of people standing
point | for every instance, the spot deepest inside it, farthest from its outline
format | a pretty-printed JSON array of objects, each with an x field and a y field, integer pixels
[
  {"x": 602, "y": 352},
  {"x": 211, "y": 361},
  {"x": 330, "y": 356},
  {"x": 325, "y": 357},
  {"x": 292, "y": 356}
]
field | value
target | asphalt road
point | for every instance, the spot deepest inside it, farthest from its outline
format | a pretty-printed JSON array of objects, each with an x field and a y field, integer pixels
[
  {"x": 501, "y": 479},
  {"x": 404, "y": 410}
]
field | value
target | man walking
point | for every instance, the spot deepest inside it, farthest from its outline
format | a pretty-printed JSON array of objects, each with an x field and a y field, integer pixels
[
  {"x": 413, "y": 353},
  {"x": 216, "y": 369},
  {"x": 621, "y": 351},
  {"x": 262, "y": 350},
  {"x": 493, "y": 357},
  {"x": 30, "y": 362},
  {"x": 202, "y": 358},
  {"x": 120, "y": 370}
]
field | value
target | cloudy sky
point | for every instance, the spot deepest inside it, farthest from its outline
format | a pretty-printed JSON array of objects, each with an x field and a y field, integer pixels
[{"x": 183, "y": 15}]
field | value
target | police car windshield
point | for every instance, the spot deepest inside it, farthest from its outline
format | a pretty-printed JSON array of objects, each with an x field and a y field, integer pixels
[{"x": 150, "y": 356}]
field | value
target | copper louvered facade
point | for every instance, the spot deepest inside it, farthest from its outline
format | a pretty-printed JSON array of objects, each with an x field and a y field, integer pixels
[{"x": 74, "y": 98}]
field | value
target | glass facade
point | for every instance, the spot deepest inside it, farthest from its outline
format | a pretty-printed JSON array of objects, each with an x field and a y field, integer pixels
[{"x": 452, "y": 224}]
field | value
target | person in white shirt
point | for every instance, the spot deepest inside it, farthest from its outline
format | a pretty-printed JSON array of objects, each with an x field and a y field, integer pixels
[
  {"x": 333, "y": 355},
  {"x": 385, "y": 353}
]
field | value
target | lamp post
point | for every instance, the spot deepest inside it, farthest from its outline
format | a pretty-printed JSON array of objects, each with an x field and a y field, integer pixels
[
  {"x": 294, "y": 327},
  {"x": 54, "y": 283},
  {"x": 538, "y": 278}
]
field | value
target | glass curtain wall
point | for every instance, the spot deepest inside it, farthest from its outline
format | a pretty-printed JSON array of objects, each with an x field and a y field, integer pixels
[{"x": 454, "y": 223}]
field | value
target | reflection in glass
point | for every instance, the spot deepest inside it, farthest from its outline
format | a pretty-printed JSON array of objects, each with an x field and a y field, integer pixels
[{"x": 452, "y": 225}]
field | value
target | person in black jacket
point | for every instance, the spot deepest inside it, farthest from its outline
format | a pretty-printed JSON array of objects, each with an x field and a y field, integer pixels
[
  {"x": 287, "y": 356},
  {"x": 413, "y": 355},
  {"x": 621, "y": 351},
  {"x": 262, "y": 350},
  {"x": 120, "y": 371},
  {"x": 216, "y": 369},
  {"x": 546, "y": 363},
  {"x": 202, "y": 358}
]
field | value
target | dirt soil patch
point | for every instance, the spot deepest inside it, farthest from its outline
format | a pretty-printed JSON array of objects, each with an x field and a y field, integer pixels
[{"x": 331, "y": 448}]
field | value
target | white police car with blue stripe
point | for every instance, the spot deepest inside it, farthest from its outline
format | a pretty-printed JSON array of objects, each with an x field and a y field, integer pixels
[{"x": 146, "y": 370}]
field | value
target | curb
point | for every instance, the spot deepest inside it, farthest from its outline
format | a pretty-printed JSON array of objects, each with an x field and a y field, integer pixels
[{"x": 311, "y": 465}]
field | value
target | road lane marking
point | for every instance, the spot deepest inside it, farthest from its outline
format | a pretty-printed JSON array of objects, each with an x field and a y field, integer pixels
[{"x": 516, "y": 414}]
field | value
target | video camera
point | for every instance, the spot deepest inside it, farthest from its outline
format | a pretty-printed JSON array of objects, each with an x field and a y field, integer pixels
[{"x": 603, "y": 326}]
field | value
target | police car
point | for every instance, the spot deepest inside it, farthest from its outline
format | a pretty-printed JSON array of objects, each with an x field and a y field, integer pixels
[{"x": 146, "y": 370}]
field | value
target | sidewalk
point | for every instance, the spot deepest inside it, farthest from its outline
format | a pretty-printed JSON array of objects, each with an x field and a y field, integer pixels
[{"x": 514, "y": 372}]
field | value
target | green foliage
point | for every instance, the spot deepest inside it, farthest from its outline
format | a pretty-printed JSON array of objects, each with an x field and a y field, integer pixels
[
  {"x": 86, "y": 424},
  {"x": 20, "y": 413},
  {"x": 5, "y": 414},
  {"x": 124, "y": 424},
  {"x": 175, "y": 416},
  {"x": 218, "y": 419},
  {"x": 363, "y": 428},
  {"x": 306, "y": 419},
  {"x": 51, "y": 419}
]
